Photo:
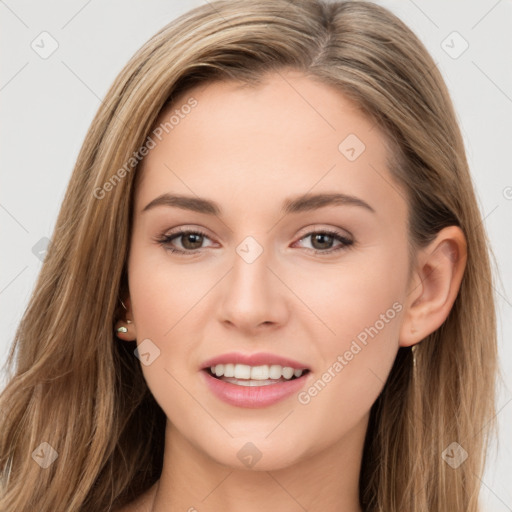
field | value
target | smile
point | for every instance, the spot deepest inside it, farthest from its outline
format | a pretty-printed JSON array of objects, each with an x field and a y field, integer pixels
[
  {"x": 244, "y": 373},
  {"x": 272, "y": 385}
]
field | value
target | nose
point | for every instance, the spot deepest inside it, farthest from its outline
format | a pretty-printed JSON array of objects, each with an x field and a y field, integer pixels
[{"x": 254, "y": 298}]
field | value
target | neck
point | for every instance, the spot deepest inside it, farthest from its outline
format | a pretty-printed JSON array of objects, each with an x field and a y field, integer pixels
[{"x": 327, "y": 481}]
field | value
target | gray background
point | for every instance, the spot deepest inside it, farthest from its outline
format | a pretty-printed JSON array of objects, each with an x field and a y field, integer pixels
[{"x": 48, "y": 103}]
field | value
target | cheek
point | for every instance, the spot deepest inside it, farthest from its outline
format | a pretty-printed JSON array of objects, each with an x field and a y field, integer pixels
[
  {"x": 161, "y": 295},
  {"x": 361, "y": 304},
  {"x": 161, "y": 291},
  {"x": 355, "y": 295},
  {"x": 172, "y": 304}
]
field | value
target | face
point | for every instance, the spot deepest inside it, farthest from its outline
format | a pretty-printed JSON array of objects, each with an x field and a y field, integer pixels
[{"x": 317, "y": 286}]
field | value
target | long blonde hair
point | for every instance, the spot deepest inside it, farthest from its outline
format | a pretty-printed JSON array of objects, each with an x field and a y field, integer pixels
[{"x": 73, "y": 385}]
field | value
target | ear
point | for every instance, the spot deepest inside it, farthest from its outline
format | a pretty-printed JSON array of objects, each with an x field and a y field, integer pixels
[
  {"x": 434, "y": 285},
  {"x": 126, "y": 322}
]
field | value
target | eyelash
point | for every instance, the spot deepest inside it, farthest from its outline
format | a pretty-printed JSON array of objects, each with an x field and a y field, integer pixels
[{"x": 167, "y": 239}]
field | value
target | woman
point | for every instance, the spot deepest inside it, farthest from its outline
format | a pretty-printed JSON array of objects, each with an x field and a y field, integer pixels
[{"x": 269, "y": 283}]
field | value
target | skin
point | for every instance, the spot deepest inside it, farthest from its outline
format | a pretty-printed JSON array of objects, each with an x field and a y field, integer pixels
[{"x": 248, "y": 149}]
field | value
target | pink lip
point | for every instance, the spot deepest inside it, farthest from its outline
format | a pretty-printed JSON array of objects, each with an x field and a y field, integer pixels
[
  {"x": 253, "y": 396},
  {"x": 258, "y": 359}
]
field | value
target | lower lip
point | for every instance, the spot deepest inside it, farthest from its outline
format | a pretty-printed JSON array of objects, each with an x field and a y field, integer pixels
[{"x": 253, "y": 396}]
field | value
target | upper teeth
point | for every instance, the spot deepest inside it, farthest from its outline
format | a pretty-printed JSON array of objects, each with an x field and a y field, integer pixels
[{"x": 243, "y": 371}]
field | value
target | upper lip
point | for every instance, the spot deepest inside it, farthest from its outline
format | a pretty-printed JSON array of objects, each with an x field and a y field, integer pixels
[{"x": 258, "y": 359}]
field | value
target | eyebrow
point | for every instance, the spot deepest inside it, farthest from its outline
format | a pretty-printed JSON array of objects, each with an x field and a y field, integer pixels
[{"x": 303, "y": 203}]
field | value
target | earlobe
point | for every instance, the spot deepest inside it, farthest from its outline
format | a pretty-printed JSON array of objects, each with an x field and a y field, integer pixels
[
  {"x": 125, "y": 327},
  {"x": 434, "y": 286}
]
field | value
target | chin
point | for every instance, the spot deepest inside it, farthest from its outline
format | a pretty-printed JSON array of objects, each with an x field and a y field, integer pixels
[{"x": 257, "y": 454}]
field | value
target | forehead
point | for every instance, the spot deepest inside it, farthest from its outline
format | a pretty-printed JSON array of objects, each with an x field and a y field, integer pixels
[{"x": 288, "y": 135}]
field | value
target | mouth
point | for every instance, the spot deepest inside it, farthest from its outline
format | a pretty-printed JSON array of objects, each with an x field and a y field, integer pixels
[
  {"x": 241, "y": 385},
  {"x": 251, "y": 376}
]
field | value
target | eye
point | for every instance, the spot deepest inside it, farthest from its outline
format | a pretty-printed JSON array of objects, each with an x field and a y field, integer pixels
[
  {"x": 191, "y": 241},
  {"x": 322, "y": 241}
]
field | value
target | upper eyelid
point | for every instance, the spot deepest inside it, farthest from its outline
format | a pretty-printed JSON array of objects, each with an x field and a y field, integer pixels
[
  {"x": 333, "y": 230},
  {"x": 307, "y": 231}
]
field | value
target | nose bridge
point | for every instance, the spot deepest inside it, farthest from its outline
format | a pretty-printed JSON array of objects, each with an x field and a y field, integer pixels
[
  {"x": 249, "y": 279},
  {"x": 252, "y": 295}
]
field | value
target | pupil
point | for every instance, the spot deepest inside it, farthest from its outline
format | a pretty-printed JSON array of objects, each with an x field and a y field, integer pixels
[
  {"x": 322, "y": 237},
  {"x": 190, "y": 238}
]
